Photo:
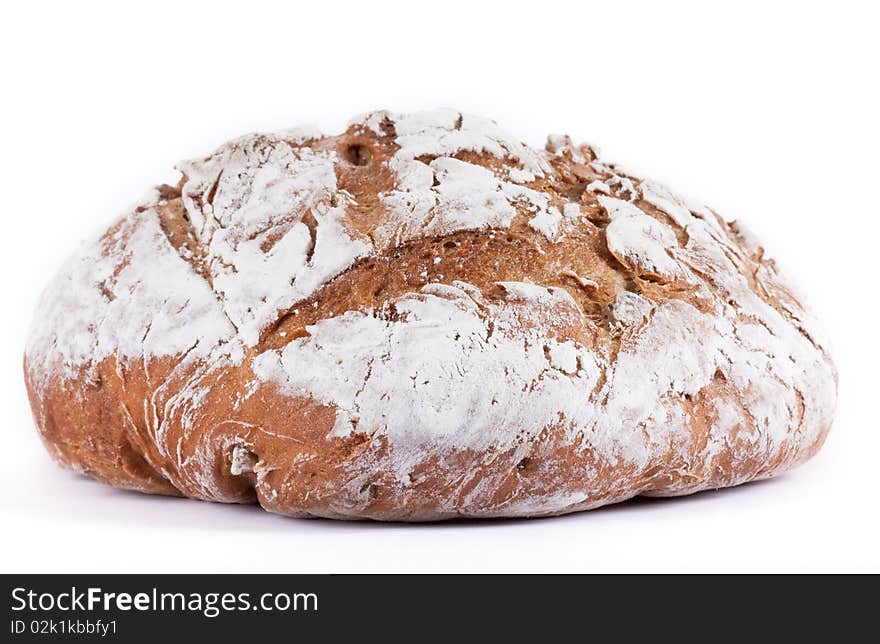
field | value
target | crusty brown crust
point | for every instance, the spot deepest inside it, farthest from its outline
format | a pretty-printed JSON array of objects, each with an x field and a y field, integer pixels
[{"x": 218, "y": 429}]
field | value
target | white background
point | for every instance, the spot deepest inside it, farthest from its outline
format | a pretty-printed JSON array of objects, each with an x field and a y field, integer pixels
[{"x": 767, "y": 112}]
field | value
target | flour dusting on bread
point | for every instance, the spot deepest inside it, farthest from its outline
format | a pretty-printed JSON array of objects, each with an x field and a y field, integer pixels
[{"x": 424, "y": 318}]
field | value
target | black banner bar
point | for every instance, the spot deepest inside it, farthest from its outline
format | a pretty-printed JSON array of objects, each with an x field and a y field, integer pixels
[{"x": 409, "y": 608}]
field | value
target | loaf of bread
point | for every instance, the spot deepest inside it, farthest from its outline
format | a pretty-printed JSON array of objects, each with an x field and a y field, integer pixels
[{"x": 421, "y": 319}]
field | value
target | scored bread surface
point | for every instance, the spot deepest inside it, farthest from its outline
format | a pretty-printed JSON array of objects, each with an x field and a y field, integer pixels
[{"x": 421, "y": 319}]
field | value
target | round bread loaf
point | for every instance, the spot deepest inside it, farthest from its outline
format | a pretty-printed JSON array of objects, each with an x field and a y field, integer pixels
[{"x": 421, "y": 319}]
